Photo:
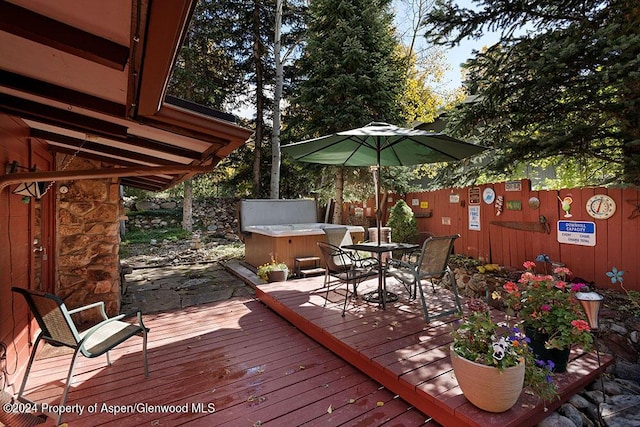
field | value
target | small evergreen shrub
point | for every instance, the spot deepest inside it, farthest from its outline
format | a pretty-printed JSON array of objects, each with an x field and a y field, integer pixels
[{"x": 404, "y": 227}]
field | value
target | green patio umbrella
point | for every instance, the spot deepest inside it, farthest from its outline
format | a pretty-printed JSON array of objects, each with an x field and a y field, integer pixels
[{"x": 381, "y": 144}]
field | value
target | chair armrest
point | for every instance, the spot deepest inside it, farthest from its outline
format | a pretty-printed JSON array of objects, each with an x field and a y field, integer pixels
[
  {"x": 119, "y": 336},
  {"x": 365, "y": 262},
  {"x": 397, "y": 263},
  {"x": 99, "y": 304}
]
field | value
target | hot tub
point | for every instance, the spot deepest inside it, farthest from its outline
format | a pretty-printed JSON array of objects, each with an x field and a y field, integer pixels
[{"x": 284, "y": 229}]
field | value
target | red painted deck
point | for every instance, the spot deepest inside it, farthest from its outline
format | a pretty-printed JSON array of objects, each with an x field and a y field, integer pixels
[
  {"x": 238, "y": 356},
  {"x": 398, "y": 349}
]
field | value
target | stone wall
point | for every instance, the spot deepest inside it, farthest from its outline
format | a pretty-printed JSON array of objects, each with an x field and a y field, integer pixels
[
  {"x": 216, "y": 217},
  {"x": 88, "y": 240}
]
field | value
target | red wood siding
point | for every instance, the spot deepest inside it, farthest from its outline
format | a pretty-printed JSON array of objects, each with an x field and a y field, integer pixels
[
  {"x": 616, "y": 237},
  {"x": 15, "y": 248}
]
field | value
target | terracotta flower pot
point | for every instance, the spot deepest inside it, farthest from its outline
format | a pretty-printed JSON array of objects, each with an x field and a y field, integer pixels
[{"x": 487, "y": 387}]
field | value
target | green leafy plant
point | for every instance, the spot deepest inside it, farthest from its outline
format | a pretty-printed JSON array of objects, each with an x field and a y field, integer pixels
[
  {"x": 273, "y": 265},
  {"x": 549, "y": 306},
  {"x": 404, "y": 227},
  {"x": 481, "y": 340}
]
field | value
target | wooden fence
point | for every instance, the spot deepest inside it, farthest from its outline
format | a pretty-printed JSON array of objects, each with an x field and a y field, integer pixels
[{"x": 524, "y": 228}]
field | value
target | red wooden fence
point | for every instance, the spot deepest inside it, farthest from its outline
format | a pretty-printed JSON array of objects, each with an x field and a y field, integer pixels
[{"x": 517, "y": 235}]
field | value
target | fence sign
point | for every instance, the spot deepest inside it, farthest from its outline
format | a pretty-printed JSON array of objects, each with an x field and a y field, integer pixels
[
  {"x": 474, "y": 218},
  {"x": 577, "y": 233}
]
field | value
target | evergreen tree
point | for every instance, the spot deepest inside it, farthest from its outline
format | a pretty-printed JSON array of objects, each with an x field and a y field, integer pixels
[
  {"x": 352, "y": 72},
  {"x": 568, "y": 86}
]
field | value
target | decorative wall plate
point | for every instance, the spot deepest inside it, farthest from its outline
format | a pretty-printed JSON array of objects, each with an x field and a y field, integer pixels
[
  {"x": 488, "y": 195},
  {"x": 601, "y": 206}
]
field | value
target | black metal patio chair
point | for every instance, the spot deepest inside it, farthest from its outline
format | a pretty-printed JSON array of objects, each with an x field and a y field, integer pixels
[{"x": 347, "y": 269}]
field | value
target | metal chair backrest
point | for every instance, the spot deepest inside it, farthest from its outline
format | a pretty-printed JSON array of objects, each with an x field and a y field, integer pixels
[
  {"x": 52, "y": 317},
  {"x": 434, "y": 257},
  {"x": 336, "y": 259},
  {"x": 338, "y": 236}
]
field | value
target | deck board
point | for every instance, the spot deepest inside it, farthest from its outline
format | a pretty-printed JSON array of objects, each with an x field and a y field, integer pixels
[
  {"x": 396, "y": 348},
  {"x": 255, "y": 367}
]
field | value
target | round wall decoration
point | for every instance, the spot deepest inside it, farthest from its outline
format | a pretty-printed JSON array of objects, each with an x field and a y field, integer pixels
[
  {"x": 488, "y": 195},
  {"x": 601, "y": 206}
]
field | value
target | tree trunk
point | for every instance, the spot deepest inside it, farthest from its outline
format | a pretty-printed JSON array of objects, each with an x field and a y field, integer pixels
[
  {"x": 187, "y": 206},
  {"x": 337, "y": 210},
  {"x": 257, "y": 57},
  {"x": 275, "y": 136}
]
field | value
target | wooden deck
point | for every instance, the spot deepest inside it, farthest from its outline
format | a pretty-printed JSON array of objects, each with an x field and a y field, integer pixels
[
  {"x": 237, "y": 359},
  {"x": 399, "y": 350}
]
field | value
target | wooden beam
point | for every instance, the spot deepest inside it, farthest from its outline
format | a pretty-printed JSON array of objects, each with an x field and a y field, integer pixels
[
  {"x": 49, "y": 32},
  {"x": 108, "y": 150},
  {"x": 166, "y": 27},
  {"x": 57, "y": 117},
  {"x": 17, "y": 178},
  {"x": 61, "y": 94}
]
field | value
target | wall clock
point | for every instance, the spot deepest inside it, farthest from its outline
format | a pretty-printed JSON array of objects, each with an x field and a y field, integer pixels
[{"x": 601, "y": 206}]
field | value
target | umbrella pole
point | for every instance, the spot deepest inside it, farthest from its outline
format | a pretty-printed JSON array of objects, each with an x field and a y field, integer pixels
[{"x": 377, "y": 185}]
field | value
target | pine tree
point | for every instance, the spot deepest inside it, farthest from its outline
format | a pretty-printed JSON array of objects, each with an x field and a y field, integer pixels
[
  {"x": 568, "y": 86},
  {"x": 352, "y": 72}
]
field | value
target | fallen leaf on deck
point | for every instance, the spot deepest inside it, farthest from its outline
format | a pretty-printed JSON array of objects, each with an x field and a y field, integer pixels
[
  {"x": 380, "y": 404},
  {"x": 330, "y": 409}
]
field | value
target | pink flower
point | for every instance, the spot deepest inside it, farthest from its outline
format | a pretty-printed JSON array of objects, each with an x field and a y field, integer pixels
[
  {"x": 510, "y": 287},
  {"x": 560, "y": 285},
  {"x": 577, "y": 287},
  {"x": 529, "y": 265},
  {"x": 562, "y": 270},
  {"x": 545, "y": 307},
  {"x": 580, "y": 325}
]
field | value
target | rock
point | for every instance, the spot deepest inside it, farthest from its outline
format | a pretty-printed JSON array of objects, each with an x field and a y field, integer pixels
[
  {"x": 144, "y": 205},
  {"x": 628, "y": 387},
  {"x": 579, "y": 402},
  {"x": 594, "y": 396},
  {"x": 556, "y": 420},
  {"x": 621, "y": 411},
  {"x": 633, "y": 323},
  {"x": 610, "y": 388},
  {"x": 627, "y": 370},
  {"x": 168, "y": 205},
  {"x": 620, "y": 346},
  {"x": 572, "y": 413}
]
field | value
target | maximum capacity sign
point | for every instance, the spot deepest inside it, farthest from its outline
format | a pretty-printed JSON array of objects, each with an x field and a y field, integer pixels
[{"x": 577, "y": 233}]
